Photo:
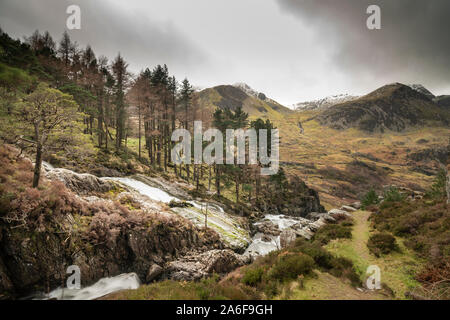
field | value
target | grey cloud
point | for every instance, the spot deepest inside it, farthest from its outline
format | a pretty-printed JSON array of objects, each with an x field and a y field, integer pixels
[
  {"x": 109, "y": 29},
  {"x": 412, "y": 45}
]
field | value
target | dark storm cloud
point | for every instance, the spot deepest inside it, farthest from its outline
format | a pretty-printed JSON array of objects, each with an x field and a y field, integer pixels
[
  {"x": 412, "y": 45},
  {"x": 109, "y": 27}
]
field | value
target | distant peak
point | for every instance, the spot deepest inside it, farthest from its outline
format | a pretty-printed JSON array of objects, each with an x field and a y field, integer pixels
[
  {"x": 250, "y": 91},
  {"x": 420, "y": 88},
  {"x": 324, "y": 103}
]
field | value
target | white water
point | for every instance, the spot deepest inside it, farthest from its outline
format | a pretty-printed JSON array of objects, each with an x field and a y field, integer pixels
[
  {"x": 151, "y": 192},
  {"x": 104, "y": 286},
  {"x": 225, "y": 225},
  {"x": 264, "y": 244}
]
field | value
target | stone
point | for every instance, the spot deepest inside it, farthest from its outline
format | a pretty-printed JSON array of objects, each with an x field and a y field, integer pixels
[
  {"x": 356, "y": 205},
  {"x": 195, "y": 266},
  {"x": 80, "y": 183},
  {"x": 287, "y": 237},
  {"x": 348, "y": 208},
  {"x": 154, "y": 272},
  {"x": 338, "y": 211},
  {"x": 317, "y": 224}
]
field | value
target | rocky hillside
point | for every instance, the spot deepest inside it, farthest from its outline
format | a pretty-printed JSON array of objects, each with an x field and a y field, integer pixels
[
  {"x": 443, "y": 102},
  {"x": 232, "y": 97},
  {"x": 393, "y": 107},
  {"x": 100, "y": 225}
]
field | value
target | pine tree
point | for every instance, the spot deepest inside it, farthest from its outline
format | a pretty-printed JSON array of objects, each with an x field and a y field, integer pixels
[
  {"x": 66, "y": 48},
  {"x": 119, "y": 69}
]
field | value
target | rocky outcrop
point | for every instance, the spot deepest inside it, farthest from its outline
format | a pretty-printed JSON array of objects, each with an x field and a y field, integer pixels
[
  {"x": 195, "y": 266},
  {"x": 333, "y": 212},
  {"x": 154, "y": 272},
  {"x": 348, "y": 208},
  {"x": 287, "y": 237},
  {"x": 440, "y": 154},
  {"x": 296, "y": 200},
  {"x": 37, "y": 261},
  {"x": 80, "y": 183},
  {"x": 267, "y": 228}
]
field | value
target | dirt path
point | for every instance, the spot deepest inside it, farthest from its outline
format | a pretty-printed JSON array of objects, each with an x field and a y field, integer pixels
[
  {"x": 361, "y": 234},
  {"x": 397, "y": 269}
]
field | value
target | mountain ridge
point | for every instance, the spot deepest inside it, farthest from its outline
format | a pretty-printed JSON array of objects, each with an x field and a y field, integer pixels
[{"x": 391, "y": 107}]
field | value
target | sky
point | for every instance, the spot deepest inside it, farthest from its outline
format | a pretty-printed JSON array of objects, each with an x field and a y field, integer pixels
[{"x": 291, "y": 50}]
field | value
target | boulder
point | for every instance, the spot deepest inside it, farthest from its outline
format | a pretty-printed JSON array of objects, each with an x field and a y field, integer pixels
[
  {"x": 195, "y": 266},
  {"x": 287, "y": 237},
  {"x": 154, "y": 272},
  {"x": 317, "y": 224},
  {"x": 268, "y": 228},
  {"x": 80, "y": 183},
  {"x": 305, "y": 233},
  {"x": 338, "y": 211},
  {"x": 316, "y": 216},
  {"x": 356, "y": 205},
  {"x": 348, "y": 208}
]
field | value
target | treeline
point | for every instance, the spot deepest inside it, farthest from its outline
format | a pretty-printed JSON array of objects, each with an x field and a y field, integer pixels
[{"x": 116, "y": 105}]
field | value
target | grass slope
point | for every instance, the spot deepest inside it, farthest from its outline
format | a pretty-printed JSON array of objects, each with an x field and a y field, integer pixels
[{"x": 397, "y": 269}]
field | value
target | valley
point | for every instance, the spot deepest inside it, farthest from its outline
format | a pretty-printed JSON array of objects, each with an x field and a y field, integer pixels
[{"x": 87, "y": 178}]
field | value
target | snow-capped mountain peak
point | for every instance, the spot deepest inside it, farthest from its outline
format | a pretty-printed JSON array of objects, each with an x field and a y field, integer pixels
[{"x": 324, "y": 102}]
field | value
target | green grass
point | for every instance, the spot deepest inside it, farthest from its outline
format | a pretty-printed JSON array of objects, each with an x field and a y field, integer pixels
[{"x": 397, "y": 269}]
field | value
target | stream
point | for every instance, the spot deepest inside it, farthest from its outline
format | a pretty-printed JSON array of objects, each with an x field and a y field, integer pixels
[{"x": 226, "y": 225}]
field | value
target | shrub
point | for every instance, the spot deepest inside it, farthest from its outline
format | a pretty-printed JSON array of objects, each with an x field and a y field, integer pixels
[
  {"x": 343, "y": 267},
  {"x": 369, "y": 199},
  {"x": 438, "y": 189},
  {"x": 393, "y": 195},
  {"x": 253, "y": 276},
  {"x": 290, "y": 266},
  {"x": 331, "y": 232},
  {"x": 321, "y": 257},
  {"x": 271, "y": 289},
  {"x": 382, "y": 243}
]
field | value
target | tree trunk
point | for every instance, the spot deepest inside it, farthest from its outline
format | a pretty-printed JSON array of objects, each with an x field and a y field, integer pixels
[
  {"x": 209, "y": 179},
  {"x": 139, "y": 132},
  {"x": 218, "y": 180},
  {"x": 237, "y": 186},
  {"x": 38, "y": 165}
]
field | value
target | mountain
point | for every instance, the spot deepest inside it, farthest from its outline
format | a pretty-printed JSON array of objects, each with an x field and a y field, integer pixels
[
  {"x": 420, "y": 88},
  {"x": 393, "y": 107},
  {"x": 443, "y": 101},
  {"x": 323, "y": 103},
  {"x": 234, "y": 96}
]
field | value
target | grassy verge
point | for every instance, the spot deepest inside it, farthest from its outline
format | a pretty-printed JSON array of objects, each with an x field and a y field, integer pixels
[{"x": 397, "y": 269}]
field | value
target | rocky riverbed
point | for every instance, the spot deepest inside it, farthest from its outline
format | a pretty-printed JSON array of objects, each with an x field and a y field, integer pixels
[{"x": 178, "y": 247}]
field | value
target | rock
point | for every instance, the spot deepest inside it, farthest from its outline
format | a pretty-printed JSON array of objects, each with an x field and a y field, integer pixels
[
  {"x": 316, "y": 216},
  {"x": 5, "y": 283},
  {"x": 348, "y": 208},
  {"x": 356, "y": 205},
  {"x": 287, "y": 237},
  {"x": 268, "y": 228},
  {"x": 195, "y": 266},
  {"x": 338, "y": 211},
  {"x": 317, "y": 224},
  {"x": 80, "y": 183},
  {"x": 305, "y": 233},
  {"x": 328, "y": 218},
  {"x": 154, "y": 272},
  {"x": 106, "y": 172}
]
